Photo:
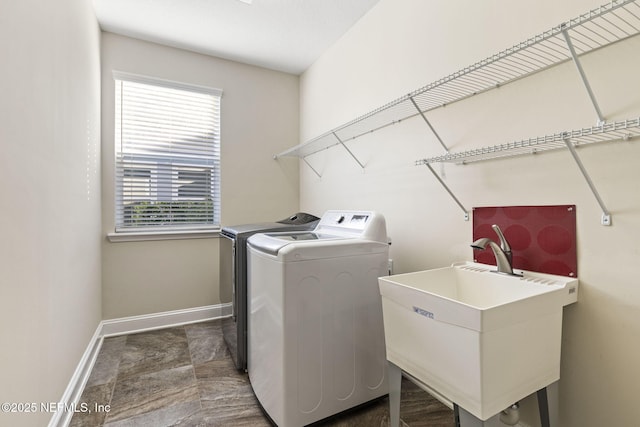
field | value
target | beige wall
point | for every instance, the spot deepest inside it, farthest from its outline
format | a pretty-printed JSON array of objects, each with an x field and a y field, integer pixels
[
  {"x": 402, "y": 45},
  {"x": 50, "y": 204},
  {"x": 259, "y": 119}
]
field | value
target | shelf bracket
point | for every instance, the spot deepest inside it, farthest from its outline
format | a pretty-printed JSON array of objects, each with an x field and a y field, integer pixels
[
  {"x": 415, "y": 104},
  {"x": 583, "y": 76},
  {"x": 348, "y": 151},
  {"x": 606, "y": 215},
  {"x": 311, "y": 167},
  {"x": 446, "y": 187}
]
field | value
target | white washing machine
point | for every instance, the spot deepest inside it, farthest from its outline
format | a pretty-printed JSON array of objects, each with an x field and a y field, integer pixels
[{"x": 316, "y": 336}]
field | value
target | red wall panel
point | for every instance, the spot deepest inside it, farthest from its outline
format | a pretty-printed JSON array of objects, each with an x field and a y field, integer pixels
[{"x": 542, "y": 238}]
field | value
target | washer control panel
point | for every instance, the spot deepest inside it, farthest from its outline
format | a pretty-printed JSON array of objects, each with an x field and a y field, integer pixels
[
  {"x": 356, "y": 221},
  {"x": 364, "y": 224}
]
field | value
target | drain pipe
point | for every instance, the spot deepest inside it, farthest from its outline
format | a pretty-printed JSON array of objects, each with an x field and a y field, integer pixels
[{"x": 511, "y": 415}]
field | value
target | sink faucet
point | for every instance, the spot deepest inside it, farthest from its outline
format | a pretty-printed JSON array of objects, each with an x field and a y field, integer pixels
[{"x": 503, "y": 253}]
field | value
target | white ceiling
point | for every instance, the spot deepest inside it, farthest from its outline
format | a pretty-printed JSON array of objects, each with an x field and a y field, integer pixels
[{"x": 284, "y": 35}]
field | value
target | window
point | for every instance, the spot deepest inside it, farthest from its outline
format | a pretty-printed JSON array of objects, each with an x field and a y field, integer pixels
[{"x": 167, "y": 155}]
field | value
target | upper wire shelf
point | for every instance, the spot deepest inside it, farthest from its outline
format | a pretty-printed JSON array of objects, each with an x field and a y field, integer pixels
[
  {"x": 600, "y": 27},
  {"x": 606, "y": 132}
]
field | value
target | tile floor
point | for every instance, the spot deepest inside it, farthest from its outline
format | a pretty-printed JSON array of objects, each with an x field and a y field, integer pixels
[{"x": 184, "y": 376}]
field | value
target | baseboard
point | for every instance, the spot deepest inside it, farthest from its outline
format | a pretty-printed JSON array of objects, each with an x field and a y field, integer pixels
[
  {"x": 71, "y": 395},
  {"x": 147, "y": 322},
  {"x": 122, "y": 326}
]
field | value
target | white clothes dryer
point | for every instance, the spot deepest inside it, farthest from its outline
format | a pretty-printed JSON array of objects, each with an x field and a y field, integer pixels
[{"x": 316, "y": 335}]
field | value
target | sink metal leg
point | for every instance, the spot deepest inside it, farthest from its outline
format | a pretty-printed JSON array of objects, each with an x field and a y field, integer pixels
[
  {"x": 394, "y": 375},
  {"x": 543, "y": 407},
  {"x": 464, "y": 418},
  {"x": 456, "y": 414}
]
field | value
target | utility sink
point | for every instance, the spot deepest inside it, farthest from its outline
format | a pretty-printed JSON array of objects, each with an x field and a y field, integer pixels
[{"x": 481, "y": 339}]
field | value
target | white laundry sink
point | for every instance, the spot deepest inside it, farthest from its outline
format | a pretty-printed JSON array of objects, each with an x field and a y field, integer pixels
[{"x": 481, "y": 339}]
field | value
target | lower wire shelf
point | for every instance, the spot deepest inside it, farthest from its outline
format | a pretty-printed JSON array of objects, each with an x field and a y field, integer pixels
[{"x": 606, "y": 132}]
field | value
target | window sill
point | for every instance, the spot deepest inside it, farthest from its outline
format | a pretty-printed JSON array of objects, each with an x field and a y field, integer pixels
[{"x": 141, "y": 236}]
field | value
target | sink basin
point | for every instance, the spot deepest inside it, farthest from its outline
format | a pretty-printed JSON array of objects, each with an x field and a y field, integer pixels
[{"x": 481, "y": 339}]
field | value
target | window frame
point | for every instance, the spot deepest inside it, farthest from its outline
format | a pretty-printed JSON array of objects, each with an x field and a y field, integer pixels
[{"x": 173, "y": 230}]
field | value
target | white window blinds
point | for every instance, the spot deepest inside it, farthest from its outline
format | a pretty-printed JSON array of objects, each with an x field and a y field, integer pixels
[{"x": 167, "y": 138}]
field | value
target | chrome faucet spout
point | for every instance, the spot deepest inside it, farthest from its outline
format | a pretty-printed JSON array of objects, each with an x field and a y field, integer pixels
[{"x": 503, "y": 261}]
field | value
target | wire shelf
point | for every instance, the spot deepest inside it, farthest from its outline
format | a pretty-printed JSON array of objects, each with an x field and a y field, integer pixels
[
  {"x": 607, "y": 132},
  {"x": 593, "y": 30}
]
